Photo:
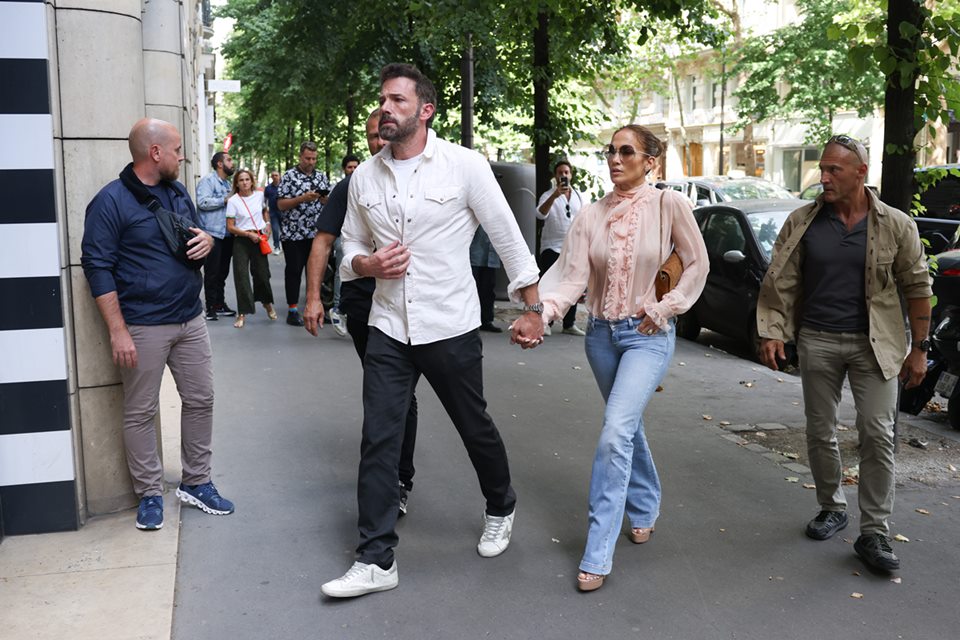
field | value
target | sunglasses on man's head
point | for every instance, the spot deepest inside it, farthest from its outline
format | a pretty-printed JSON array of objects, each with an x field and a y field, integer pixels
[{"x": 851, "y": 144}]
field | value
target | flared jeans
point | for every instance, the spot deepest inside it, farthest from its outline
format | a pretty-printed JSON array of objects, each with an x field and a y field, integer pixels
[{"x": 628, "y": 366}]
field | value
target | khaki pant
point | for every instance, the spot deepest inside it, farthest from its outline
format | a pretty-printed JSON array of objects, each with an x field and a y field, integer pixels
[
  {"x": 186, "y": 349},
  {"x": 825, "y": 358}
]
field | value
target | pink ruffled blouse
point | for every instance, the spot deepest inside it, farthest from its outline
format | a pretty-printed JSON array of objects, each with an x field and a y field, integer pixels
[{"x": 614, "y": 249}]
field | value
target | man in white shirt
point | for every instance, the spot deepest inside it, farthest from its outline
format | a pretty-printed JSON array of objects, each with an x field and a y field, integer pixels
[
  {"x": 557, "y": 209},
  {"x": 419, "y": 201}
]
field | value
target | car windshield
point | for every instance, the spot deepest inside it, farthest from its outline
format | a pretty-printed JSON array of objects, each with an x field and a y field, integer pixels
[
  {"x": 754, "y": 190},
  {"x": 766, "y": 226}
]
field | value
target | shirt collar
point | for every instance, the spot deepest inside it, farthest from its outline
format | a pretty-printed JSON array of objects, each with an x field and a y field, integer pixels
[{"x": 428, "y": 150}]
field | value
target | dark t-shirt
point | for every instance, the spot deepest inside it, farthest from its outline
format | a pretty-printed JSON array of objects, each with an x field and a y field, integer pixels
[
  {"x": 271, "y": 193},
  {"x": 834, "y": 289},
  {"x": 355, "y": 295}
]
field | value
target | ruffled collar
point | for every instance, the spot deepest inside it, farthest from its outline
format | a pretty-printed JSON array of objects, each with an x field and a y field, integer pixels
[{"x": 624, "y": 201}]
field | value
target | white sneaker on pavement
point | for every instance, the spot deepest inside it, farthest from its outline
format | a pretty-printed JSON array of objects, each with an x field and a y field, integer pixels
[
  {"x": 574, "y": 331},
  {"x": 362, "y": 579},
  {"x": 496, "y": 535},
  {"x": 546, "y": 330}
]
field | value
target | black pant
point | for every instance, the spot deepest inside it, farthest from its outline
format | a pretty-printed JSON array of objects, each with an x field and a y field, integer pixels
[
  {"x": 216, "y": 267},
  {"x": 453, "y": 367},
  {"x": 359, "y": 332},
  {"x": 486, "y": 278},
  {"x": 545, "y": 261},
  {"x": 295, "y": 254}
]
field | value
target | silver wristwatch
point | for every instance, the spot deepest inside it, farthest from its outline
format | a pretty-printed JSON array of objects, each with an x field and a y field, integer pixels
[{"x": 536, "y": 307}]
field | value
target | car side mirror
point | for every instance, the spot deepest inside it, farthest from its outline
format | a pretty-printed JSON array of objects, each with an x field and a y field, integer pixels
[{"x": 734, "y": 256}]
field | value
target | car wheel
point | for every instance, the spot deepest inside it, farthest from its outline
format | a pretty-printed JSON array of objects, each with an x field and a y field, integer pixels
[{"x": 687, "y": 326}]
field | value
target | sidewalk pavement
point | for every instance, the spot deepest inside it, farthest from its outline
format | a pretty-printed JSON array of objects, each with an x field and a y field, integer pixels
[
  {"x": 728, "y": 559},
  {"x": 107, "y": 581}
]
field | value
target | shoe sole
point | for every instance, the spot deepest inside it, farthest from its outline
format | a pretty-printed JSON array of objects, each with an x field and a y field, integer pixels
[
  {"x": 357, "y": 592},
  {"x": 149, "y": 527},
  {"x": 590, "y": 585},
  {"x": 828, "y": 535},
  {"x": 186, "y": 498}
]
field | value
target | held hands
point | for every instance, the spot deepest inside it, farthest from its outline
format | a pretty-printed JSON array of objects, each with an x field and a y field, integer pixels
[
  {"x": 200, "y": 245},
  {"x": 389, "y": 263},
  {"x": 527, "y": 330}
]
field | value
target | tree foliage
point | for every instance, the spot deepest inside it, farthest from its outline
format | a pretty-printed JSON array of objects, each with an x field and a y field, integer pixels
[
  {"x": 799, "y": 72},
  {"x": 306, "y": 60}
]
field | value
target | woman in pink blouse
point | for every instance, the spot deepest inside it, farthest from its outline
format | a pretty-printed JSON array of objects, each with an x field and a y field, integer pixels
[{"x": 614, "y": 249}]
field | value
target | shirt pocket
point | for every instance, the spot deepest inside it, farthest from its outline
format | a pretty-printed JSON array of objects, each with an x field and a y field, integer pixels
[
  {"x": 885, "y": 277},
  {"x": 374, "y": 204},
  {"x": 441, "y": 201}
]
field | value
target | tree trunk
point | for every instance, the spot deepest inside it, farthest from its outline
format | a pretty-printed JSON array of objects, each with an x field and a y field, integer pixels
[
  {"x": 351, "y": 123},
  {"x": 749, "y": 155},
  {"x": 541, "y": 101},
  {"x": 466, "y": 93},
  {"x": 899, "y": 126}
]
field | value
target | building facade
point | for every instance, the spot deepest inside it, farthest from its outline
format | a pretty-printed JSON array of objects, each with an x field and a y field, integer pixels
[{"x": 76, "y": 75}]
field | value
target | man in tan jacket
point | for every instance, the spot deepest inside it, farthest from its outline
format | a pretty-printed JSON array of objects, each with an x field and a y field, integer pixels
[{"x": 840, "y": 268}]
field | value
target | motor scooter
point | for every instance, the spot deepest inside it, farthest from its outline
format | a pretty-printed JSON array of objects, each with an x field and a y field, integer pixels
[{"x": 946, "y": 340}]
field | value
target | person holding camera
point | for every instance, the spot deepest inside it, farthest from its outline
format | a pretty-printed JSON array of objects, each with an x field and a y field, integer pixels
[
  {"x": 303, "y": 191},
  {"x": 249, "y": 221},
  {"x": 157, "y": 321},
  {"x": 557, "y": 209}
]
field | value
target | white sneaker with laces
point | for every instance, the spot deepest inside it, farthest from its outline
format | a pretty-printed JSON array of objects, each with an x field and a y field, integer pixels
[
  {"x": 362, "y": 579},
  {"x": 496, "y": 535},
  {"x": 339, "y": 322}
]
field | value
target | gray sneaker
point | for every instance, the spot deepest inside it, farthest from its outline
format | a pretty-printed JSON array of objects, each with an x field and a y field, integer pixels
[
  {"x": 362, "y": 579},
  {"x": 496, "y": 535}
]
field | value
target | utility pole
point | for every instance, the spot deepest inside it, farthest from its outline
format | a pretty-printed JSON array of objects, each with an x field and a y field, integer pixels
[{"x": 466, "y": 94}]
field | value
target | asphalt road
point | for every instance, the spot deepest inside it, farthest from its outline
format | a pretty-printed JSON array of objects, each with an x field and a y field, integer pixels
[{"x": 728, "y": 559}]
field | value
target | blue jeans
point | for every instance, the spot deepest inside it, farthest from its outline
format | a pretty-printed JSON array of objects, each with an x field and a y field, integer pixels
[
  {"x": 628, "y": 367},
  {"x": 275, "y": 230}
]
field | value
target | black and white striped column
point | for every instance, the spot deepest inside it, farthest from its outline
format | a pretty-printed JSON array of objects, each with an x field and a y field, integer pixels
[{"x": 37, "y": 470}]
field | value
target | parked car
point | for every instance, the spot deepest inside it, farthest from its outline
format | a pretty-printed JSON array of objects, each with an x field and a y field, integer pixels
[
  {"x": 942, "y": 200},
  {"x": 704, "y": 190},
  {"x": 739, "y": 237}
]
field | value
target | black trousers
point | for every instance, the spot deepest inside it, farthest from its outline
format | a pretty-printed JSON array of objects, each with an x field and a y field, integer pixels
[
  {"x": 216, "y": 267},
  {"x": 486, "y": 278},
  {"x": 545, "y": 260},
  {"x": 359, "y": 331},
  {"x": 295, "y": 254},
  {"x": 453, "y": 367}
]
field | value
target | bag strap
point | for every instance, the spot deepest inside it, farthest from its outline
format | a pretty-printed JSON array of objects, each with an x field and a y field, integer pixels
[
  {"x": 662, "y": 193},
  {"x": 249, "y": 213}
]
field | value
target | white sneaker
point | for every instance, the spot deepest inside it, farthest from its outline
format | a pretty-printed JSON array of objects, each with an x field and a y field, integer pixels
[
  {"x": 546, "y": 330},
  {"x": 339, "y": 322},
  {"x": 362, "y": 579},
  {"x": 496, "y": 535},
  {"x": 574, "y": 331}
]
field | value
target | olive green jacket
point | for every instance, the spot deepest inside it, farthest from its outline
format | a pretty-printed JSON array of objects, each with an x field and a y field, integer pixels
[{"x": 895, "y": 267}]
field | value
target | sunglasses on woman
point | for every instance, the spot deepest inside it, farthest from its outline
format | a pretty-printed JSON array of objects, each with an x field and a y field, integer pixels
[{"x": 626, "y": 152}]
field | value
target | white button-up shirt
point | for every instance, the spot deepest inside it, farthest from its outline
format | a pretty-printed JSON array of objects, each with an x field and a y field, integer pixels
[{"x": 451, "y": 191}]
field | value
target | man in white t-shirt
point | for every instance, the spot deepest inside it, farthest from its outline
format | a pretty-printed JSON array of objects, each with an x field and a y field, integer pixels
[{"x": 557, "y": 209}]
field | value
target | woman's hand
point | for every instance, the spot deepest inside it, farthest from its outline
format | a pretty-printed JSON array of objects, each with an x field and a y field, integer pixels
[
  {"x": 254, "y": 237},
  {"x": 647, "y": 327}
]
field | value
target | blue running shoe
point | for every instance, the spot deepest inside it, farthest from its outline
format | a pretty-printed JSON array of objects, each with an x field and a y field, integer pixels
[
  {"x": 150, "y": 513},
  {"x": 206, "y": 497}
]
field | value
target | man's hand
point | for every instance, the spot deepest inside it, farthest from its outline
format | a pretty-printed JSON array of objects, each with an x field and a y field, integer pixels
[
  {"x": 124, "y": 350},
  {"x": 200, "y": 245},
  {"x": 389, "y": 263},
  {"x": 914, "y": 368},
  {"x": 313, "y": 316},
  {"x": 527, "y": 330},
  {"x": 770, "y": 351},
  {"x": 309, "y": 196}
]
